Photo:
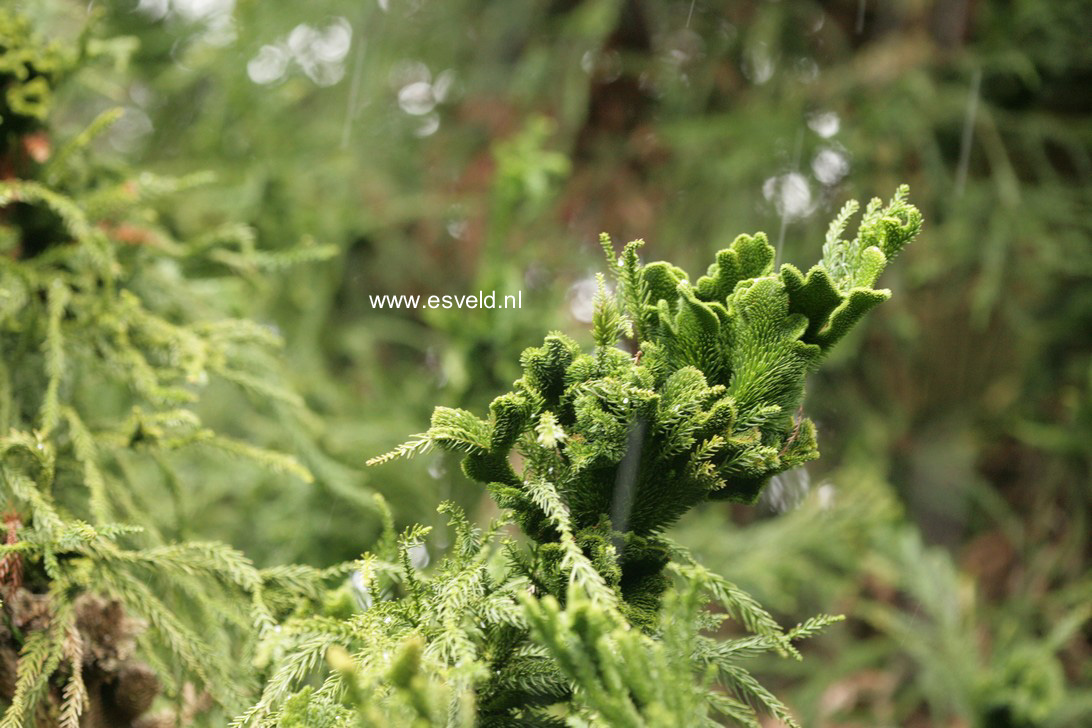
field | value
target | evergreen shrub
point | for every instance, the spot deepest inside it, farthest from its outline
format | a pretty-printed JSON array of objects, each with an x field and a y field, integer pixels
[{"x": 590, "y": 614}]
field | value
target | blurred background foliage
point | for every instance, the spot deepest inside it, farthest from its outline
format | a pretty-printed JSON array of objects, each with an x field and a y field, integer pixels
[{"x": 450, "y": 147}]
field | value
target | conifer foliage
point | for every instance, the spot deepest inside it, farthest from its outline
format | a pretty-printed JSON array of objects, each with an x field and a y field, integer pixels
[
  {"x": 105, "y": 345},
  {"x": 598, "y": 618},
  {"x": 589, "y": 615}
]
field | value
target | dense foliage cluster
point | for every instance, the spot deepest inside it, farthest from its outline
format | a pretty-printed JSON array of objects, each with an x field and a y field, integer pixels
[
  {"x": 595, "y": 454},
  {"x": 107, "y": 343}
]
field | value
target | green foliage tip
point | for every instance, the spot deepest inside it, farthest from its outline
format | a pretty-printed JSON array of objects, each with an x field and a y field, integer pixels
[{"x": 710, "y": 407}]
